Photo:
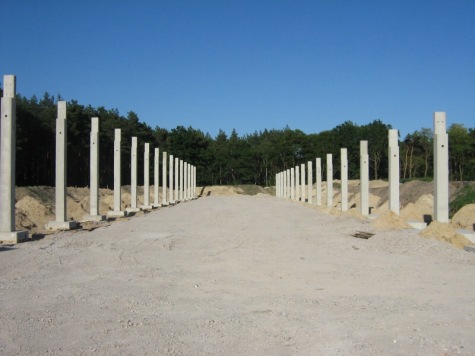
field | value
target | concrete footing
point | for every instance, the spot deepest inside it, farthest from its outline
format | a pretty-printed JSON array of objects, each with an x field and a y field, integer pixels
[
  {"x": 94, "y": 218},
  {"x": 61, "y": 225},
  {"x": 417, "y": 225},
  {"x": 116, "y": 214},
  {"x": 13, "y": 237},
  {"x": 470, "y": 248},
  {"x": 469, "y": 235}
]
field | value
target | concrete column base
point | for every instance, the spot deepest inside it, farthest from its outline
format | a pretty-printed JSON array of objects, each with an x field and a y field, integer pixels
[
  {"x": 417, "y": 225},
  {"x": 146, "y": 207},
  {"x": 470, "y": 248},
  {"x": 156, "y": 206},
  {"x": 13, "y": 237},
  {"x": 116, "y": 214},
  {"x": 469, "y": 235},
  {"x": 132, "y": 210},
  {"x": 61, "y": 225},
  {"x": 93, "y": 218}
]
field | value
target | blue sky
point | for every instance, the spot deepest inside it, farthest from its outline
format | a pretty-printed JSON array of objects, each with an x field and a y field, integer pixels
[{"x": 249, "y": 65}]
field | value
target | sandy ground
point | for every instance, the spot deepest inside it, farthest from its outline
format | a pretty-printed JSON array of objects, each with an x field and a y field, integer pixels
[{"x": 237, "y": 275}]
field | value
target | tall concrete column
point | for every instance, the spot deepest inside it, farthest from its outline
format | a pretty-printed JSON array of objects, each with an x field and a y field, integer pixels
[
  {"x": 193, "y": 187},
  {"x": 181, "y": 180},
  {"x": 189, "y": 181},
  {"x": 146, "y": 178},
  {"x": 393, "y": 152},
  {"x": 318, "y": 172},
  {"x": 297, "y": 183},
  {"x": 61, "y": 168},
  {"x": 292, "y": 183},
  {"x": 344, "y": 178},
  {"x": 284, "y": 184},
  {"x": 133, "y": 178},
  {"x": 8, "y": 234},
  {"x": 364, "y": 178},
  {"x": 302, "y": 175},
  {"x": 164, "y": 180},
  {"x": 170, "y": 184},
  {"x": 117, "y": 212},
  {"x": 156, "y": 172},
  {"x": 441, "y": 168},
  {"x": 329, "y": 180},
  {"x": 310, "y": 182},
  {"x": 94, "y": 173},
  {"x": 289, "y": 184},
  {"x": 185, "y": 177},
  {"x": 177, "y": 180}
]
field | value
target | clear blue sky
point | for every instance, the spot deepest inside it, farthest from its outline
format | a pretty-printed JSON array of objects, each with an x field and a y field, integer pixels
[{"x": 249, "y": 65}]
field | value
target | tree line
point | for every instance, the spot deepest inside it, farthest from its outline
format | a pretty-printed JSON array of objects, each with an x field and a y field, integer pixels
[{"x": 227, "y": 159}]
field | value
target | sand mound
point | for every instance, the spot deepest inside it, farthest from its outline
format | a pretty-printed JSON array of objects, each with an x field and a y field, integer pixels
[
  {"x": 424, "y": 206},
  {"x": 465, "y": 217},
  {"x": 354, "y": 200},
  {"x": 445, "y": 232},
  {"x": 30, "y": 212},
  {"x": 389, "y": 221}
]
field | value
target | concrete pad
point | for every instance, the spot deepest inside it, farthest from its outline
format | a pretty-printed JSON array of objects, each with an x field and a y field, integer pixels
[
  {"x": 132, "y": 210},
  {"x": 146, "y": 207},
  {"x": 61, "y": 225},
  {"x": 116, "y": 214},
  {"x": 417, "y": 225},
  {"x": 13, "y": 237},
  {"x": 470, "y": 235},
  {"x": 470, "y": 248},
  {"x": 93, "y": 218}
]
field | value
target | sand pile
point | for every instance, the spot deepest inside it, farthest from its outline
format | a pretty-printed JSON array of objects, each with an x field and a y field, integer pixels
[
  {"x": 445, "y": 232},
  {"x": 389, "y": 221},
  {"x": 418, "y": 211},
  {"x": 354, "y": 200},
  {"x": 465, "y": 218},
  {"x": 31, "y": 213}
]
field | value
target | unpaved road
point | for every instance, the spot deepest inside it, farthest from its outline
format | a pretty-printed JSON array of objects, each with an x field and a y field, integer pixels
[{"x": 247, "y": 275}]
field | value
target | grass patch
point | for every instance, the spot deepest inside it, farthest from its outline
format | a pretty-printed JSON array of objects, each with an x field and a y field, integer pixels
[
  {"x": 465, "y": 196},
  {"x": 422, "y": 179}
]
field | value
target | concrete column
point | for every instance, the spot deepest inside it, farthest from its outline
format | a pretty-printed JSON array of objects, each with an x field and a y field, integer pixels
[
  {"x": 94, "y": 173},
  {"x": 133, "y": 178},
  {"x": 289, "y": 184},
  {"x": 146, "y": 178},
  {"x": 117, "y": 212},
  {"x": 170, "y": 184},
  {"x": 181, "y": 180},
  {"x": 297, "y": 181},
  {"x": 189, "y": 181},
  {"x": 185, "y": 182},
  {"x": 193, "y": 186},
  {"x": 156, "y": 172},
  {"x": 177, "y": 180},
  {"x": 8, "y": 234},
  {"x": 302, "y": 175},
  {"x": 318, "y": 173},
  {"x": 441, "y": 168},
  {"x": 292, "y": 183},
  {"x": 164, "y": 180},
  {"x": 393, "y": 152},
  {"x": 284, "y": 184},
  {"x": 344, "y": 178},
  {"x": 329, "y": 180},
  {"x": 364, "y": 178},
  {"x": 310, "y": 182},
  {"x": 61, "y": 168}
]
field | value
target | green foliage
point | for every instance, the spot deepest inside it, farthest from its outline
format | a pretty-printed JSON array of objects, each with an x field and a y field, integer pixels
[
  {"x": 465, "y": 196},
  {"x": 225, "y": 159}
]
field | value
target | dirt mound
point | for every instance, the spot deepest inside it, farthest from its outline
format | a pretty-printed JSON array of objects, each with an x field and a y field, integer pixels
[
  {"x": 421, "y": 210},
  {"x": 465, "y": 217},
  {"x": 389, "y": 221},
  {"x": 445, "y": 232},
  {"x": 32, "y": 213}
]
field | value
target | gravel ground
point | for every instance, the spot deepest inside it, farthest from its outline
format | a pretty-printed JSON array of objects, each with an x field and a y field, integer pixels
[{"x": 237, "y": 275}]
